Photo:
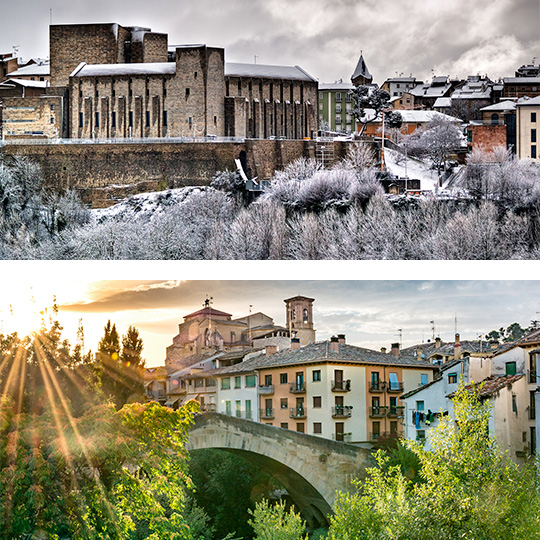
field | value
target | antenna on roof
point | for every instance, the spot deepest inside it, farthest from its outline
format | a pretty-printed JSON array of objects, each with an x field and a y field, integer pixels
[
  {"x": 50, "y": 16},
  {"x": 400, "y": 334},
  {"x": 255, "y": 58},
  {"x": 433, "y": 329},
  {"x": 455, "y": 324}
]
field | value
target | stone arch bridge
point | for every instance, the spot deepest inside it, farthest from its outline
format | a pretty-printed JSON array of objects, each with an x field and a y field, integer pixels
[{"x": 311, "y": 468}]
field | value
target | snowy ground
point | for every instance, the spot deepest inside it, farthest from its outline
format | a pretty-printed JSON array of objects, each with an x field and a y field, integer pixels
[
  {"x": 147, "y": 205},
  {"x": 411, "y": 168}
]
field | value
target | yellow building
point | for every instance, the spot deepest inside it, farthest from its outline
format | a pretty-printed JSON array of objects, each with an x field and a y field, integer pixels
[
  {"x": 338, "y": 391},
  {"x": 527, "y": 125}
]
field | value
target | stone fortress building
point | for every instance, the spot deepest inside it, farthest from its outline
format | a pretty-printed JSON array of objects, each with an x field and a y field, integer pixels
[{"x": 121, "y": 82}]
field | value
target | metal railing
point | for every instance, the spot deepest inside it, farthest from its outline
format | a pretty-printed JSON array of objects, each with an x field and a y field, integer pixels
[
  {"x": 532, "y": 376},
  {"x": 342, "y": 437},
  {"x": 377, "y": 386},
  {"x": 266, "y": 413},
  {"x": 297, "y": 388},
  {"x": 343, "y": 411},
  {"x": 394, "y": 387},
  {"x": 297, "y": 412},
  {"x": 266, "y": 389},
  {"x": 341, "y": 386},
  {"x": 121, "y": 140},
  {"x": 377, "y": 411},
  {"x": 396, "y": 411}
]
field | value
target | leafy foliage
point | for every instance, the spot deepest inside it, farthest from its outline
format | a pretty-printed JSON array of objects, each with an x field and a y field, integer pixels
[
  {"x": 469, "y": 490},
  {"x": 369, "y": 103},
  {"x": 275, "y": 523}
]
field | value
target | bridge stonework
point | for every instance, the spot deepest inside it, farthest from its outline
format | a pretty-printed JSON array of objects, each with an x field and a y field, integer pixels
[{"x": 312, "y": 469}]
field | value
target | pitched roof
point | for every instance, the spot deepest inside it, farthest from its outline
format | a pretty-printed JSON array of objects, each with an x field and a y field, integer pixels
[
  {"x": 209, "y": 311},
  {"x": 295, "y": 73},
  {"x": 336, "y": 86},
  {"x": 490, "y": 386},
  {"x": 528, "y": 101},
  {"x": 361, "y": 70},
  {"x": 531, "y": 338},
  {"x": 25, "y": 83},
  {"x": 38, "y": 70},
  {"x": 501, "y": 106}
]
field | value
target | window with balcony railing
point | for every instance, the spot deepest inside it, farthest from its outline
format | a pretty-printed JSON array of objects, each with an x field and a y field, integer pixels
[
  {"x": 341, "y": 386},
  {"x": 378, "y": 411},
  {"x": 341, "y": 411},
  {"x": 297, "y": 387},
  {"x": 297, "y": 412},
  {"x": 266, "y": 413}
]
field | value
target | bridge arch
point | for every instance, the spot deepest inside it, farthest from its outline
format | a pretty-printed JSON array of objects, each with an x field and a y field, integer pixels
[{"x": 312, "y": 469}]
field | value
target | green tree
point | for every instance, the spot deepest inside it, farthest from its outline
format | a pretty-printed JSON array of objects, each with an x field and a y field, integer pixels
[
  {"x": 108, "y": 475},
  {"x": 369, "y": 104},
  {"x": 132, "y": 346},
  {"x": 470, "y": 490},
  {"x": 275, "y": 523}
]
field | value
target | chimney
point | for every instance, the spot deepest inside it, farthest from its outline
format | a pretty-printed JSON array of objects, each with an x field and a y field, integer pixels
[
  {"x": 493, "y": 344},
  {"x": 395, "y": 350},
  {"x": 341, "y": 338},
  {"x": 437, "y": 342},
  {"x": 419, "y": 353},
  {"x": 295, "y": 344},
  {"x": 334, "y": 344},
  {"x": 270, "y": 350},
  {"x": 383, "y": 350},
  {"x": 457, "y": 348}
]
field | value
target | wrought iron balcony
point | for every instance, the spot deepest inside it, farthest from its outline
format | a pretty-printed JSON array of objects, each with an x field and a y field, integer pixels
[
  {"x": 297, "y": 412},
  {"x": 342, "y": 437},
  {"x": 532, "y": 376},
  {"x": 377, "y": 387},
  {"x": 377, "y": 411},
  {"x": 297, "y": 388},
  {"x": 396, "y": 411},
  {"x": 394, "y": 387},
  {"x": 266, "y": 413},
  {"x": 341, "y": 411},
  {"x": 266, "y": 389},
  {"x": 341, "y": 386}
]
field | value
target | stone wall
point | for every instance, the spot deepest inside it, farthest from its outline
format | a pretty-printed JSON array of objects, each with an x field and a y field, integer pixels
[
  {"x": 32, "y": 117},
  {"x": 103, "y": 173}
]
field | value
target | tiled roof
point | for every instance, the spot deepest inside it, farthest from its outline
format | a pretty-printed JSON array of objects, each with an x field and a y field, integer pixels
[
  {"x": 529, "y": 339},
  {"x": 491, "y": 385}
]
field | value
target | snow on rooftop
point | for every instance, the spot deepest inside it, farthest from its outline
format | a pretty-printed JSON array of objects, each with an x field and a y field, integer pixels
[
  {"x": 25, "y": 83},
  {"x": 529, "y": 101},
  {"x": 419, "y": 117},
  {"x": 521, "y": 80},
  {"x": 442, "y": 102},
  {"x": 501, "y": 106},
  {"x": 233, "y": 69},
  {"x": 33, "y": 69},
  {"x": 336, "y": 86},
  {"x": 147, "y": 68}
]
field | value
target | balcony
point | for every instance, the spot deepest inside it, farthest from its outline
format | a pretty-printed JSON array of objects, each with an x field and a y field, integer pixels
[
  {"x": 394, "y": 388},
  {"x": 396, "y": 412},
  {"x": 266, "y": 389},
  {"x": 341, "y": 411},
  {"x": 341, "y": 386},
  {"x": 376, "y": 387},
  {"x": 531, "y": 377},
  {"x": 377, "y": 412},
  {"x": 297, "y": 412},
  {"x": 297, "y": 388},
  {"x": 209, "y": 407},
  {"x": 266, "y": 414},
  {"x": 342, "y": 437}
]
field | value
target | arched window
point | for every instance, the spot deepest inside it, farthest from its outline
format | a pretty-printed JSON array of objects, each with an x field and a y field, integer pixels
[
  {"x": 494, "y": 119},
  {"x": 206, "y": 338},
  {"x": 305, "y": 316}
]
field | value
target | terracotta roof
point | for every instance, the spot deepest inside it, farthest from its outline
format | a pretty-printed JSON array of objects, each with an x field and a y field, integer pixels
[
  {"x": 529, "y": 339},
  {"x": 491, "y": 385}
]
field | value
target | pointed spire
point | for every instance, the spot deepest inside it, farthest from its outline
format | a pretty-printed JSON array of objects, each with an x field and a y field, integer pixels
[{"x": 361, "y": 74}]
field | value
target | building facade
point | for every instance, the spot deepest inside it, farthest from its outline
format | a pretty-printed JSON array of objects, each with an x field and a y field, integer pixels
[
  {"x": 527, "y": 128},
  {"x": 125, "y": 82},
  {"x": 335, "y": 108}
]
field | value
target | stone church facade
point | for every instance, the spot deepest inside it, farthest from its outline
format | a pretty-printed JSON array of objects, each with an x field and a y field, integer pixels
[{"x": 123, "y": 82}]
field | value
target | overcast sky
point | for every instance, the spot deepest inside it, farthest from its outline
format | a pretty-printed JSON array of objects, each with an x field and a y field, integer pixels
[
  {"x": 369, "y": 312},
  {"x": 325, "y": 37}
]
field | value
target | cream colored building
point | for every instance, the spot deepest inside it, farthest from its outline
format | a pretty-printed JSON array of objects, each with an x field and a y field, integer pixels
[{"x": 527, "y": 128}]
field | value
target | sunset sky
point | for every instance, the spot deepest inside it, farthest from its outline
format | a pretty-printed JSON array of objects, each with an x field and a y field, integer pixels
[
  {"x": 325, "y": 37},
  {"x": 370, "y": 312}
]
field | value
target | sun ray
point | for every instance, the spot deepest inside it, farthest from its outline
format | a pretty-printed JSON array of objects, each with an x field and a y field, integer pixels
[{"x": 51, "y": 379}]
